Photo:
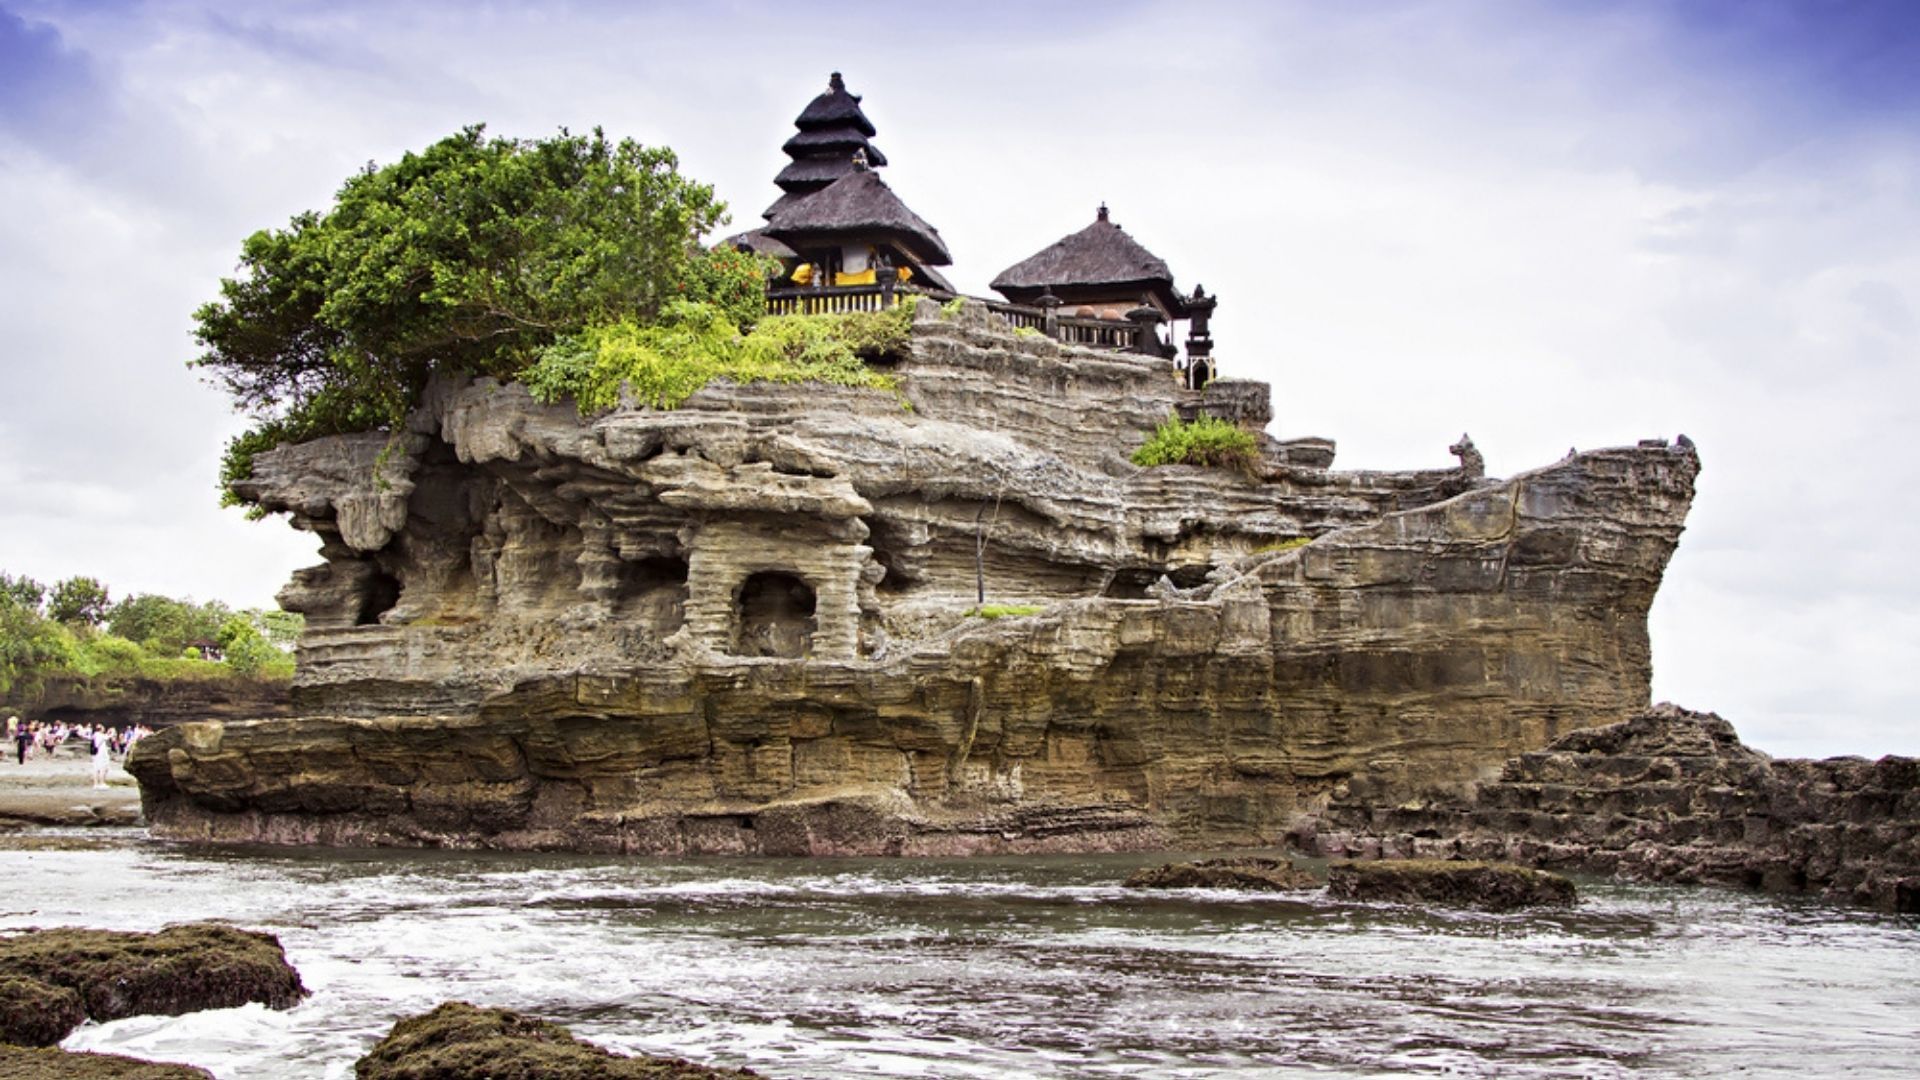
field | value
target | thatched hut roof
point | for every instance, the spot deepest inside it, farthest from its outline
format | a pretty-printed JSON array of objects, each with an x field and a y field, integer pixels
[
  {"x": 758, "y": 242},
  {"x": 857, "y": 207},
  {"x": 835, "y": 108},
  {"x": 1099, "y": 262}
]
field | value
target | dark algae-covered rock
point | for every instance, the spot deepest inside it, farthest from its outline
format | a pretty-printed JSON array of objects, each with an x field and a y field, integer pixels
[
  {"x": 36, "y": 1013},
  {"x": 458, "y": 1041},
  {"x": 21, "y": 1064},
  {"x": 1250, "y": 872},
  {"x": 178, "y": 970},
  {"x": 1487, "y": 886}
]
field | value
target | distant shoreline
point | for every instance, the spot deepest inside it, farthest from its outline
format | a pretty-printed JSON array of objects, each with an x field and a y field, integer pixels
[{"x": 58, "y": 791}]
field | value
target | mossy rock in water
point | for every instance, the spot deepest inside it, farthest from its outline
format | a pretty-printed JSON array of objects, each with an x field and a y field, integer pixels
[
  {"x": 1250, "y": 872},
  {"x": 1487, "y": 886},
  {"x": 458, "y": 1041},
  {"x": 36, "y": 1013},
  {"x": 178, "y": 970},
  {"x": 18, "y": 1063}
]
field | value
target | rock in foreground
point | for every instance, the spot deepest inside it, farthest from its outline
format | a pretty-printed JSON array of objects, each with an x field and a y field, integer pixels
[
  {"x": 35, "y": 1013},
  {"x": 1260, "y": 874},
  {"x": 458, "y": 1041},
  {"x": 20, "y": 1064},
  {"x": 178, "y": 970},
  {"x": 1487, "y": 886},
  {"x": 1670, "y": 796}
]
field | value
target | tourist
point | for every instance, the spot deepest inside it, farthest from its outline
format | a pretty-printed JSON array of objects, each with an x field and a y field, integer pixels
[
  {"x": 22, "y": 738},
  {"x": 102, "y": 755}
]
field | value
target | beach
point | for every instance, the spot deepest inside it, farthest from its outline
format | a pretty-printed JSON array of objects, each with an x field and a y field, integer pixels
[{"x": 58, "y": 790}]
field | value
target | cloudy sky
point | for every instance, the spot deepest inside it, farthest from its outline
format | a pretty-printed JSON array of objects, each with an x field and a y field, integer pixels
[{"x": 1546, "y": 224}]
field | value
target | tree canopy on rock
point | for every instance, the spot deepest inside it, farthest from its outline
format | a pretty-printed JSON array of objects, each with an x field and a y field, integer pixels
[{"x": 469, "y": 256}]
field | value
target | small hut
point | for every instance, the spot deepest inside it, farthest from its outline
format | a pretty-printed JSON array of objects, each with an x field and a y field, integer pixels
[{"x": 1101, "y": 272}]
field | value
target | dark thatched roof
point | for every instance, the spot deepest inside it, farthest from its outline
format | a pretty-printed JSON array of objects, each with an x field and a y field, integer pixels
[
  {"x": 758, "y": 242},
  {"x": 858, "y": 206},
  {"x": 1100, "y": 256},
  {"x": 834, "y": 108},
  {"x": 812, "y": 174},
  {"x": 833, "y": 142}
]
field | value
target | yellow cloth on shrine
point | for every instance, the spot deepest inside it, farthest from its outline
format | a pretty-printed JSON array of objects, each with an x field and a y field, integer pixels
[
  {"x": 864, "y": 277},
  {"x": 802, "y": 274},
  {"x": 903, "y": 273}
]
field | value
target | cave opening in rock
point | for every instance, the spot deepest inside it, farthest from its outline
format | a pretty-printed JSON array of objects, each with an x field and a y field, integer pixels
[
  {"x": 653, "y": 593},
  {"x": 377, "y": 597},
  {"x": 773, "y": 616}
]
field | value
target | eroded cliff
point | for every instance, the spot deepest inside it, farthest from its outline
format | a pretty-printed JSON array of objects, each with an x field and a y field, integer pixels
[{"x": 743, "y": 625}]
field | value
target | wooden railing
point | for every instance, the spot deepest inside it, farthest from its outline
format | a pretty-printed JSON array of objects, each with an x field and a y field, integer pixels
[
  {"x": 1115, "y": 334},
  {"x": 811, "y": 301}
]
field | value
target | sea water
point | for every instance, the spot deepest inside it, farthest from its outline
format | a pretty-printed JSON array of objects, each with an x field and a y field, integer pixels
[{"x": 1041, "y": 966}]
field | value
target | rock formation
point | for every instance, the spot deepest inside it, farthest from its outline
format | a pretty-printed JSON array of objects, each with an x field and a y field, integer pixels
[
  {"x": 457, "y": 1041},
  {"x": 1670, "y": 795},
  {"x": 1488, "y": 886},
  {"x": 1242, "y": 872},
  {"x": 742, "y": 625}
]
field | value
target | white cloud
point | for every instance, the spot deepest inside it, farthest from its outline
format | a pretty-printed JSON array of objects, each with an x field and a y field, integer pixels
[{"x": 1545, "y": 227}]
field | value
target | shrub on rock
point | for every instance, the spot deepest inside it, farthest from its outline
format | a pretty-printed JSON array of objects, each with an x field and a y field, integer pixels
[
  {"x": 458, "y": 1041},
  {"x": 1255, "y": 873},
  {"x": 1488, "y": 886},
  {"x": 178, "y": 970}
]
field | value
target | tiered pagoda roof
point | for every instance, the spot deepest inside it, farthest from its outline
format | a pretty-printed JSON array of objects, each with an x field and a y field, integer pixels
[
  {"x": 857, "y": 207},
  {"x": 832, "y": 129}
]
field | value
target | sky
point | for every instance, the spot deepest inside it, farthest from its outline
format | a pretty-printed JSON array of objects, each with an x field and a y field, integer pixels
[{"x": 1548, "y": 225}]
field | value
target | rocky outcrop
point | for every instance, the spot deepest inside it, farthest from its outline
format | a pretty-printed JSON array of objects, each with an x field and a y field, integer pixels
[
  {"x": 1245, "y": 872},
  {"x": 19, "y": 1063},
  {"x": 35, "y": 1013},
  {"x": 1486, "y": 886},
  {"x": 177, "y": 970},
  {"x": 458, "y": 1041},
  {"x": 742, "y": 626},
  {"x": 1670, "y": 795}
]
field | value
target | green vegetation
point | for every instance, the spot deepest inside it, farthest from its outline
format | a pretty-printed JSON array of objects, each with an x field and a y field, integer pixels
[
  {"x": 1294, "y": 544},
  {"x": 475, "y": 255},
  {"x": 951, "y": 309},
  {"x": 1004, "y": 611},
  {"x": 1205, "y": 441},
  {"x": 144, "y": 636},
  {"x": 663, "y": 364}
]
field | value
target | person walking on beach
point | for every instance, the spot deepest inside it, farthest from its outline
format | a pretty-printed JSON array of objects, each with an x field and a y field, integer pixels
[
  {"x": 102, "y": 755},
  {"x": 22, "y": 738}
]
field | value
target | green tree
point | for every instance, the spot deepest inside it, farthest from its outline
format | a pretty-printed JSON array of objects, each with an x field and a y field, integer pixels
[
  {"x": 31, "y": 647},
  {"x": 79, "y": 601},
  {"x": 165, "y": 626},
  {"x": 22, "y": 591},
  {"x": 469, "y": 256}
]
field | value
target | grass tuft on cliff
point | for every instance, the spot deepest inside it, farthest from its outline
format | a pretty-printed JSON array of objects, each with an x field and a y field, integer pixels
[
  {"x": 1205, "y": 441},
  {"x": 1004, "y": 611},
  {"x": 661, "y": 365}
]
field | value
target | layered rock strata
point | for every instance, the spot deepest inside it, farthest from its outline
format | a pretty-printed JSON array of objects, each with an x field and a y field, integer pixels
[
  {"x": 742, "y": 626},
  {"x": 1670, "y": 795}
]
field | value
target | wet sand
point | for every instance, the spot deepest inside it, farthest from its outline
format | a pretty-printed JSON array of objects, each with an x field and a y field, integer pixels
[{"x": 59, "y": 790}]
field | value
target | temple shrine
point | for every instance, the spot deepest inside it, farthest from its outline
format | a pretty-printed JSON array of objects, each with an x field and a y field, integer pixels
[{"x": 846, "y": 242}]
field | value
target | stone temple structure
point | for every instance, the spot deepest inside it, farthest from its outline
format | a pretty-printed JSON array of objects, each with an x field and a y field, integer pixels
[
  {"x": 751, "y": 624},
  {"x": 755, "y": 623}
]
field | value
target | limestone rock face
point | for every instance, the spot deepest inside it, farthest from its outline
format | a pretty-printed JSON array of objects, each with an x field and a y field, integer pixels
[
  {"x": 743, "y": 625},
  {"x": 1669, "y": 795}
]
